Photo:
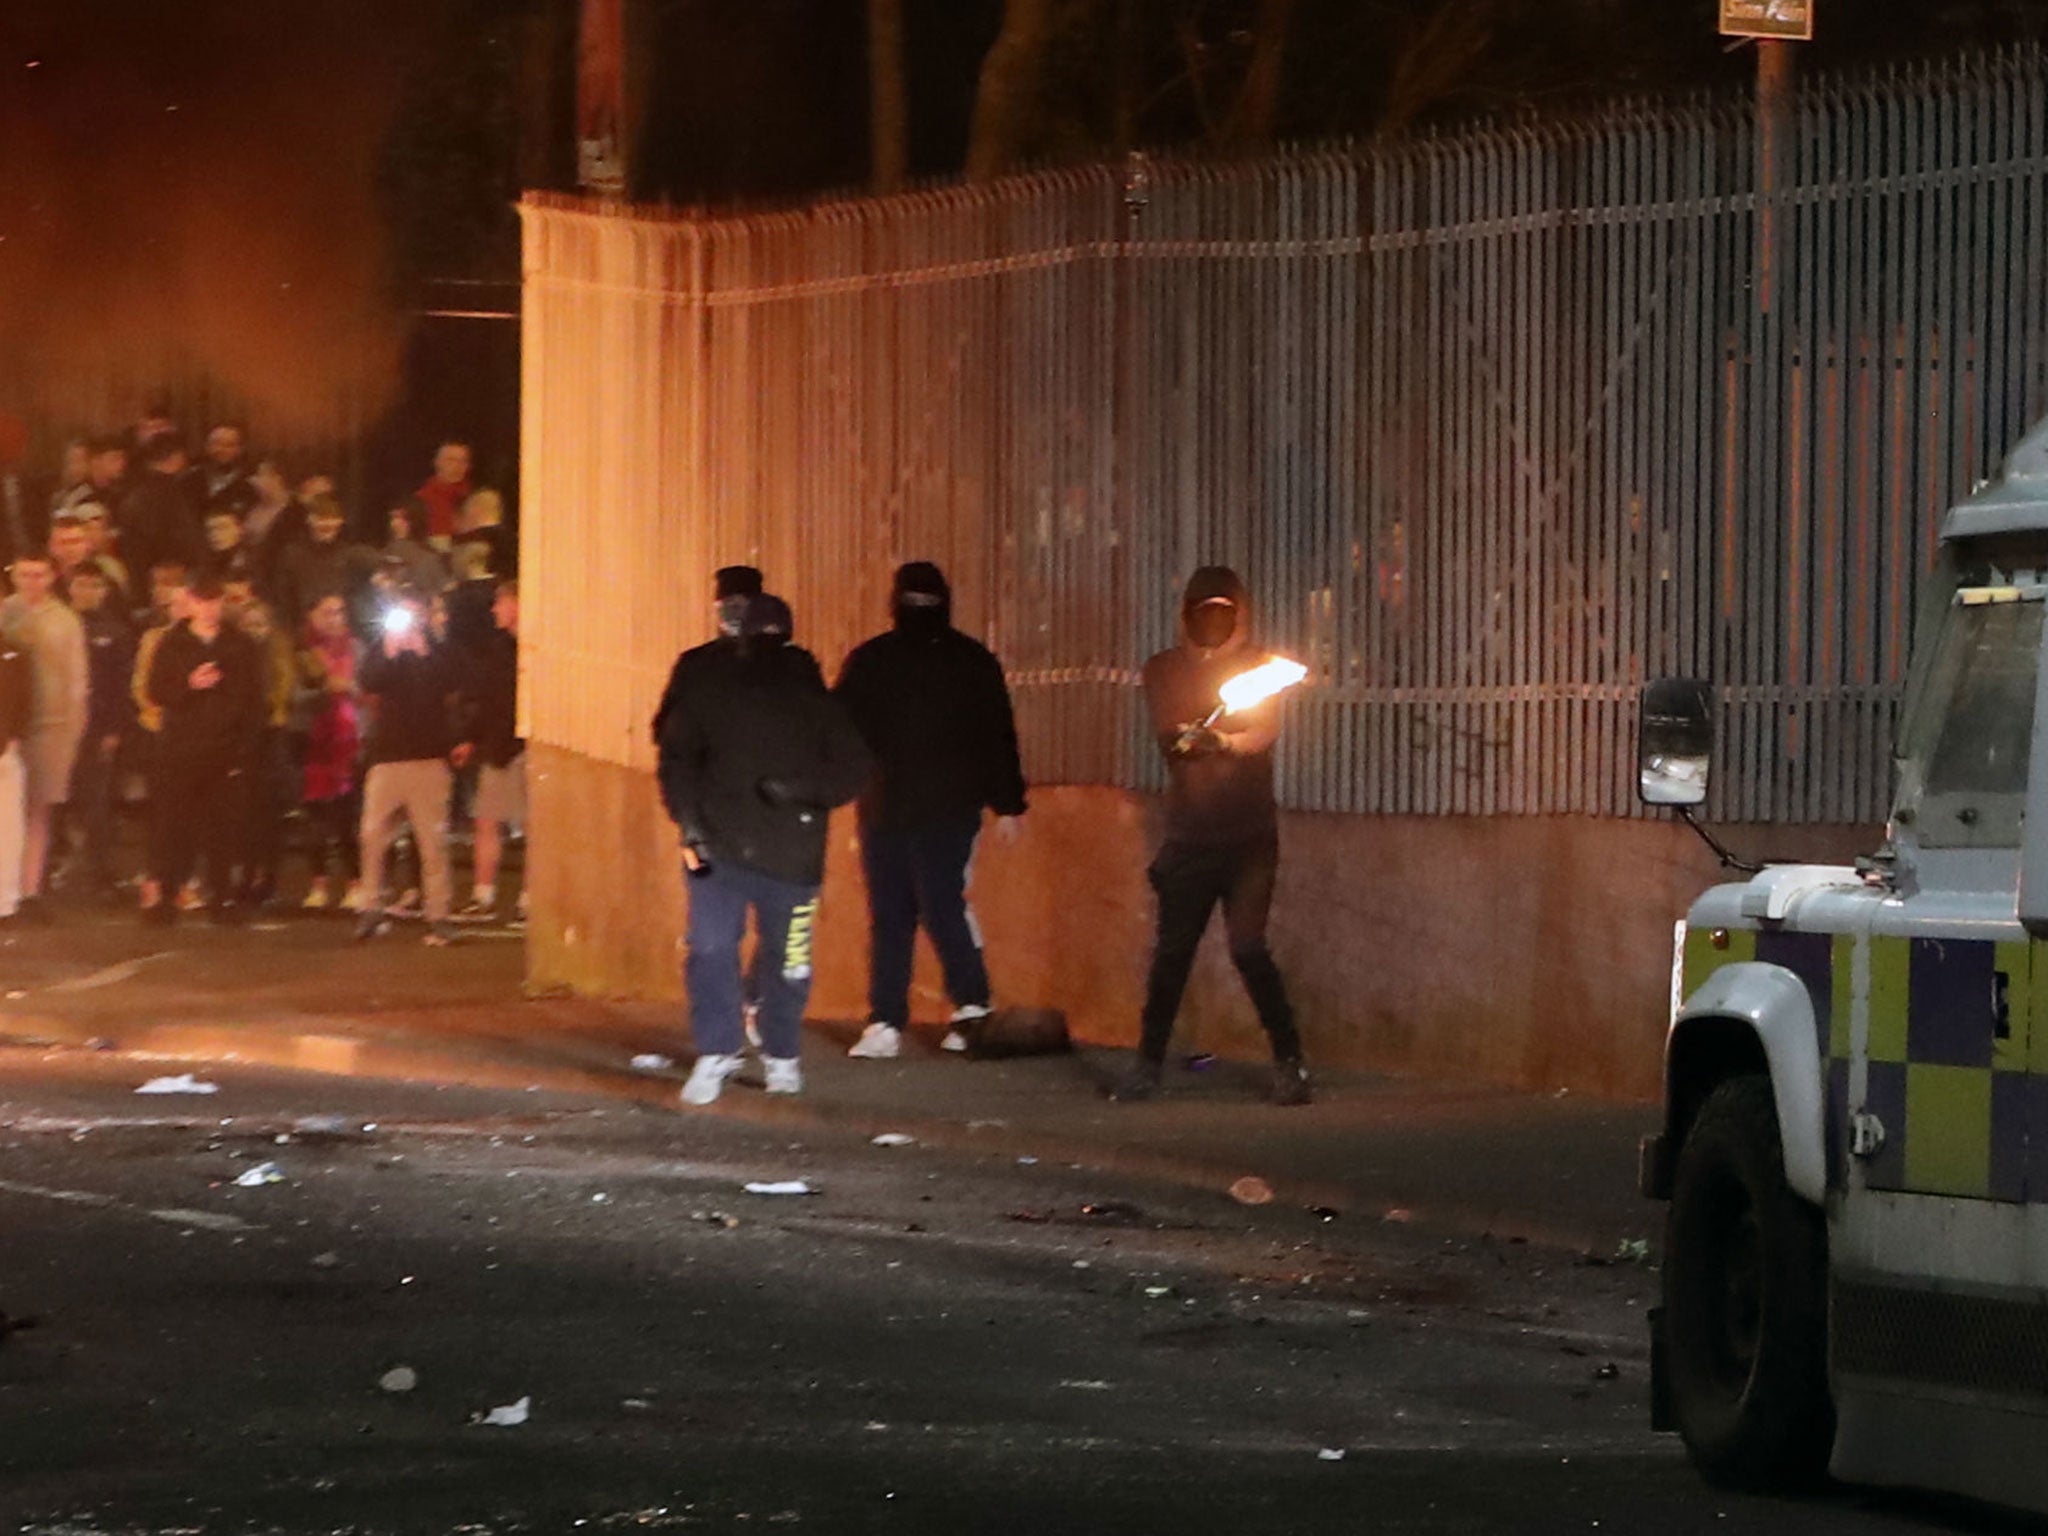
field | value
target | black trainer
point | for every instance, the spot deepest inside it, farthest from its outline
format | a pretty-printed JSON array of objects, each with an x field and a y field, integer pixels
[
  {"x": 1140, "y": 1082},
  {"x": 1290, "y": 1084}
]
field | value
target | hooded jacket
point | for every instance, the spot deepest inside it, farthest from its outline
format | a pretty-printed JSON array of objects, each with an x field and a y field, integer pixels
[
  {"x": 754, "y": 755},
  {"x": 1222, "y": 796},
  {"x": 933, "y": 707}
]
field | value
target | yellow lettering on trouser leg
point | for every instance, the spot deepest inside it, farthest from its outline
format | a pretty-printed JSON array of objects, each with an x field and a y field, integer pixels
[{"x": 796, "y": 951}]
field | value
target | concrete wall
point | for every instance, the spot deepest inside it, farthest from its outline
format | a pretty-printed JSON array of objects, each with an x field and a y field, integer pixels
[{"x": 1527, "y": 951}]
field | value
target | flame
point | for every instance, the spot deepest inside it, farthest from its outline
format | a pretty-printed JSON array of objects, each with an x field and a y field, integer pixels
[{"x": 1260, "y": 683}]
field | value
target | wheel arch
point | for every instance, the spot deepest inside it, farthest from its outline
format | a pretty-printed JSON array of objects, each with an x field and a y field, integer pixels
[{"x": 1753, "y": 1017}]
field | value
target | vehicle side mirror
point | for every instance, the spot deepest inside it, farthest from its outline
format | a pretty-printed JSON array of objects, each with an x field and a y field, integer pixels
[{"x": 1674, "y": 741}]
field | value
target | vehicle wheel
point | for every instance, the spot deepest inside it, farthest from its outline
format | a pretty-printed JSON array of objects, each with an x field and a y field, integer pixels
[{"x": 1745, "y": 1300}]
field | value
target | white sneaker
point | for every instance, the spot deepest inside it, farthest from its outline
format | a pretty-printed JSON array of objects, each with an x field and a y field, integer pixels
[
  {"x": 785, "y": 1074},
  {"x": 707, "y": 1078},
  {"x": 878, "y": 1042},
  {"x": 967, "y": 1013}
]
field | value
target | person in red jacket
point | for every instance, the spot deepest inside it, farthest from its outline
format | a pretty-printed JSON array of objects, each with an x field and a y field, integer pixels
[{"x": 446, "y": 489}]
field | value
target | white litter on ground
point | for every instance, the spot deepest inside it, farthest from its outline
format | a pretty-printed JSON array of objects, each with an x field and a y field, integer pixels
[
  {"x": 894, "y": 1139},
  {"x": 781, "y": 1187},
  {"x": 400, "y": 1378},
  {"x": 184, "y": 1082},
  {"x": 652, "y": 1061},
  {"x": 261, "y": 1174},
  {"x": 510, "y": 1415},
  {"x": 1330, "y": 1453}
]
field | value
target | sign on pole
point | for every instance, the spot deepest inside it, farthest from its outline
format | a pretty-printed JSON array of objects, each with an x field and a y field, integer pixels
[{"x": 1791, "y": 20}]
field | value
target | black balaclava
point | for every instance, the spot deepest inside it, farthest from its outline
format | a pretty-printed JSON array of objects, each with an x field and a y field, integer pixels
[
  {"x": 736, "y": 584},
  {"x": 920, "y": 598},
  {"x": 765, "y": 625},
  {"x": 1215, "y": 610}
]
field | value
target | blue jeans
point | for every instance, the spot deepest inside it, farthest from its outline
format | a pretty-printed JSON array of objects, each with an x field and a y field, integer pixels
[
  {"x": 784, "y": 914},
  {"x": 919, "y": 875}
]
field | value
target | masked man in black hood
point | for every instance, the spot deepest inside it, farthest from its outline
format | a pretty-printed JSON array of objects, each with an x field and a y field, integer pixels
[
  {"x": 1222, "y": 829},
  {"x": 932, "y": 705},
  {"x": 754, "y": 755},
  {"x": 733, "y": 586}
]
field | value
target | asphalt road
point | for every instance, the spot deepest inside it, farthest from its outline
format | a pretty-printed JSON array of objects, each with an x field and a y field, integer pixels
[{"x": 932, "y": 1342}]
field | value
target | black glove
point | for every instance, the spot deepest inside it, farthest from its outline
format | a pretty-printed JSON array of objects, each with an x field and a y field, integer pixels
[
  {"x": 1198, "y": 741},
  {"x": 777, "y": 792}
]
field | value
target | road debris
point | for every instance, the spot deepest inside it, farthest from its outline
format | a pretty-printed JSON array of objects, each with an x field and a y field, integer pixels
[
  {"x": 184, "y": 1082},
  {"x": 1608, "y": 1372},
  {"x": 1330, "y": 1453},
  {"x": 1156, "y": 1292},
  {"x": 1112, "y": 1212},
  {"x": 400, "y": 1378},
  {"x": 652, "y": 1061},
  {"x": 716, "y": 1219},
  {"x": 1200, "y": 1061},
  {"x": 1398, "y": 1213},
  {"x": 509, "y": 1416},
  {"x": 261, "y": 1174},
  {"x": 1252, "y": 1190},
  {"x": 780, "y": 1187},
  {"x": 1324, "y": 1212},
  {"x": 328, "y": 1260},
  {"x": 893, "y": 1139}
]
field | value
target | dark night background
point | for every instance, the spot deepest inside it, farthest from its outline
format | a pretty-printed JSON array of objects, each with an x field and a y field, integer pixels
[{"x": 277, "y": 198}]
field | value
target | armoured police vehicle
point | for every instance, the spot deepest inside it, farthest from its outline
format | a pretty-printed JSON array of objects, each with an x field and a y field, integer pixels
[{"x": 1855, "y": 1136}]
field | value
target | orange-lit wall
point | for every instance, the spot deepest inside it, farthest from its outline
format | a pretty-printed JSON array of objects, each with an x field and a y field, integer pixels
[{"x": 1531, "y": 951}]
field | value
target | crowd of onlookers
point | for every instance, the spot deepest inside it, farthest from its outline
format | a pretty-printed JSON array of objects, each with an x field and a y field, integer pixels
[{"x": 198, "y": 648}]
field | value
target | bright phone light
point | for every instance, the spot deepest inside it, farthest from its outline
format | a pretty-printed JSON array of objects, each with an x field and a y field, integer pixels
[{"x": 398, "y": 621}]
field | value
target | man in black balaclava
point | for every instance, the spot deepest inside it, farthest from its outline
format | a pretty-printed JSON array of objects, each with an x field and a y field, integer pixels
[
  {"x": 735, "y": 584},
  {"x": 1222, "y": 829},
  {"x": 932, "y": 706},
  {"x": 752, "y": 761}
]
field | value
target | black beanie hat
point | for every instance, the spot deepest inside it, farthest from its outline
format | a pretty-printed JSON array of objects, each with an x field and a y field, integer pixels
[
  {"x": 738, "y": 581},
  {"x": 920, "y": 578}
]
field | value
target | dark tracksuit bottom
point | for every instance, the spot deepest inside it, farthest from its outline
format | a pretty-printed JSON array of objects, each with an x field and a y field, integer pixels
[
  {"x": 919, "y": 875},
  {"x": 197, "y": 810},
  {"x": 1191, "y": 879},
  {"x": 784, "y": 913}
]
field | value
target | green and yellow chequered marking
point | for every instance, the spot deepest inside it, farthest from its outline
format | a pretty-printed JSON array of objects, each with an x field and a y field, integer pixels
[{"x": 1949, "y": 1088}]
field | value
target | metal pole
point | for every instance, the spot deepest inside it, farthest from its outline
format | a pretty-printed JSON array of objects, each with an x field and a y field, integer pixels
[{"x": 1774, "y": 66}]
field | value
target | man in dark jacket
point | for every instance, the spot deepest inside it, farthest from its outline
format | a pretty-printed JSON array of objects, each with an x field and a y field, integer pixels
[
  {"x": 1222, "y": 840},
  {"x": 421, "y": 692},
  {"x": 109, "y": 710},
  {"x": 17, "y": 706},
  {"x": 754, "y": 755},
  {"x": 206, "y": 677},
  {"x": 932, "y": 706}
]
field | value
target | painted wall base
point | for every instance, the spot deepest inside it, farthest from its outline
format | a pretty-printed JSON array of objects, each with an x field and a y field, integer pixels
[{"x": 1531, "y": 952}]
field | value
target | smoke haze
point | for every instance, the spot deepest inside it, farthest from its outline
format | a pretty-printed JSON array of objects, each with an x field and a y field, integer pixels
[{"x": 187, "y": 191}]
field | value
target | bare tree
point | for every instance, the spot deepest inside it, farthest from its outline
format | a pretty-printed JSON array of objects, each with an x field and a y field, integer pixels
[
  {"x": 1435, "y": 59},
  {"x": 888, "y": 97},
  {"x": 1011, "y": 79}
]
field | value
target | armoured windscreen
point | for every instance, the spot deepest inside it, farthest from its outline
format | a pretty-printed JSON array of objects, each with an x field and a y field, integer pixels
[{"x": 1988, "y": 726}]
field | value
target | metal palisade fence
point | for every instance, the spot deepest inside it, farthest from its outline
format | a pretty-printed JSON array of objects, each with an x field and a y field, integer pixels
[{"x": 1496, "y": 426}]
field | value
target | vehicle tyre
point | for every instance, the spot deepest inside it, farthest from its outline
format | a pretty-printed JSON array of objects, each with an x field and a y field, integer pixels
[{"x": 1745, "y": 1301}]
